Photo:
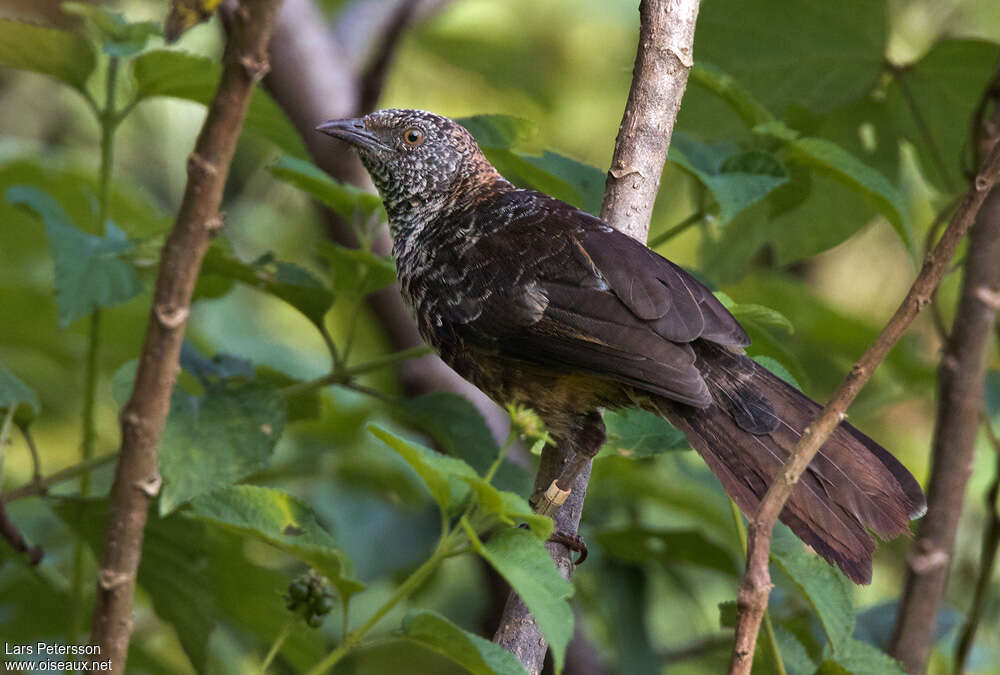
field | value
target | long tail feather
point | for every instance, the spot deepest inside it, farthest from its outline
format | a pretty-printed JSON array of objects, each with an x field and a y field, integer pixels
[{"x": 852, "y": 486}]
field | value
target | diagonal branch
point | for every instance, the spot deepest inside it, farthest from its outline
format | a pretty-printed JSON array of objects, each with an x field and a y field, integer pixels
[
  {"x": 756, "y": 583},
  {"x": 662, "y": 63},
  {"x": 137, "y": 478}
]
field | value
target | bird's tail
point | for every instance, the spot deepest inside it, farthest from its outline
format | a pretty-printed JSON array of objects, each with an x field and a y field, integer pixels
[{"x": 853, "y": 485}]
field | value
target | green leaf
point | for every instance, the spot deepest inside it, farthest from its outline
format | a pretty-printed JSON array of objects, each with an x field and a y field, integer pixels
[
  {"x": 497, "y": 507},
  {"x": 357, "y": 272},
  {"x": 825, "y": 587},
  {"x": 441, "y": 474},
  {"x": 285, "y": 281},
  {"x": 828, "y": 157},
  {"x": 345, "y": 200},
  {"x": 478, "y": 656},
  {"x": 117, "y": 36},
  {"x": 860, "y": 658},
  {"x": 759, "y": 314},
  {"x": 775, "y": 367},
  {"x": 668, "y": 547},
  {"x": 213, "y": 441},
  {"x": 17, "y": 396},
  {"x": 198, "y": 576},
  {"x": 524, "y": 562},
  {"x": 728, "y": 614},
  {"x": 304, "y": 406},
  {"x": 60, "y": 54},
  {"x": 89, "y": 271},
  {"x": 499, "y": 131},
  {"x": 736, "y": 179},
  {"x": 945, "y": 85},
  {"x": 793, "y": 654},
  {"x": 501, "y": 136},
  {"x": 637, "y": 433},
  {"x": 281, "y": 520},
  {"x": 195, "y": 78},
  {"x": 725, "y": 86},
  {"x": 805, "y": 52}
]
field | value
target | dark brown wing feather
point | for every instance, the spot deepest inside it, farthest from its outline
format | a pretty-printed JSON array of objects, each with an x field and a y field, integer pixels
[{"x": 565, "y": 300}]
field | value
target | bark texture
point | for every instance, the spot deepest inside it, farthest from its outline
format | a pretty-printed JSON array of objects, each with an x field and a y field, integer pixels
[{"x": 137, "y": 479}]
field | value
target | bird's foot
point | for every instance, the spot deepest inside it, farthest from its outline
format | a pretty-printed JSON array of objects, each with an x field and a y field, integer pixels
[{"x": 572, "y": 541}]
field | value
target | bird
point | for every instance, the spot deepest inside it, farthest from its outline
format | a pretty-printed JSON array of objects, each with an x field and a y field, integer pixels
[{"x": 539, "y": 303}]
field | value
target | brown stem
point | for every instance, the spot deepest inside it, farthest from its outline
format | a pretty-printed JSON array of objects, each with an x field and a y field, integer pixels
[
  {"x": 137, "y": 477},
  {"x": 756, "y": 583},
  {"x": 987, "y": 559},
  {"x": 12, "y": 535},
  {"x": 961, "y": 377},
  {"x": 662, "y": 63}
]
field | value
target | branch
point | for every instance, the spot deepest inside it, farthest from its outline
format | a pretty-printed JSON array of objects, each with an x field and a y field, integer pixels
[
  {"x": 12, "y": 535},
  {"x": 40, "y": 485},
  {"x": 961, "y": 378},
  {"x": 756, "y": 583},
  {"x": 662, "y": 63},
  {"x": 137, "y": 478}
]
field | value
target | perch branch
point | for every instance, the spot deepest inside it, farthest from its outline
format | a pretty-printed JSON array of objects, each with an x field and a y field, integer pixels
[
  {"x": 756, "y": 583},
  {"x": 659, "y": 77},
  {"x": 144, "y": 416}
]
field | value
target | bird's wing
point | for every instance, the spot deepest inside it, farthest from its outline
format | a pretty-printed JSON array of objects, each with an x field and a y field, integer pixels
[{"x": 558, "y": 287}]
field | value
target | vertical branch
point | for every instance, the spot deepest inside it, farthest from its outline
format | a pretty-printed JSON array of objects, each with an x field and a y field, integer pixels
[
  {"x": 961, "y": 379},
  {"x": 756, "y": 583},
  {"x": 137, "y": 478},
  {"x": 662, "y": 63}
]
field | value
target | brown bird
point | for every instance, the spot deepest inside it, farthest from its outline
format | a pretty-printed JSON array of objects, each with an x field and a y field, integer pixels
[{"x": 537, "y": 302}]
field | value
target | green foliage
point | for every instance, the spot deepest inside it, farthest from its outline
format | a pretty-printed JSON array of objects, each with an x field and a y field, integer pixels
[
  {"x": 194, "y": 78},
  {"x": 281, "y": 520},
  {"x": 502, "y": 136},
  {"x": 735, "y": 178},
  {"x": 345, "y": 200},
  {"x": 65, "y": 56},
  {"x": 90, "y": 272},
  {"x": 522, "y": 560},
  {"x": 357, "y": 272},
  {"x": 478, "y": 656},
  {"x": 639, "y": 433},
  {"x": 116, "y": 36},
  {"x": 18, "y": 397},
  {"x": 668, "y": 547},
  {"x": 284, "y": 280}
]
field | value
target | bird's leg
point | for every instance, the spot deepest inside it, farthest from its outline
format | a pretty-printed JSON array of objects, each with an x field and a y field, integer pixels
[{"x": 565, "y": 461}]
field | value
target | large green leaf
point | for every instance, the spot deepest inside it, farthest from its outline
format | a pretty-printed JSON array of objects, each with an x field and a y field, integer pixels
[
  {"x": 813, "y": 53},
  {"x": 860, "y": 658},
  {"x": 945, "y": 86},
  {"x": 57, "y": 53},
  {"x": 442, "y": 475},
  {"x": 455, "y": 425},
  {"x": 825, "y": 587},
  {"x": 17, "y": 396},
  {"x": 828, "y": 157},
  {"x": 478, "y": 656},
  {"x": 89, "y": 271},
  {"x": 284, "y": 280},
  {"x": 197, "y": 576},
  {"x": 215, "y": 440},
  {"x": 524, "y": 562},
  {"x": 281, "y": 520},
  {"x": 195, "y": 78},
  {"x": 637, "y": 433},
  {"x": 345, "y": 200},
  {"x": 735, "y": 178},
  {"x": 732, "y": 92}
]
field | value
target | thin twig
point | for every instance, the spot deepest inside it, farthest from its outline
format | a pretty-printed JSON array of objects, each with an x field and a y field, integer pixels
[
  {"x": 756, "y": 583},
  {"x": 12, "y": 535},
  {"x": 987, "y": 558},
  {"x": 42, "y": 485},
  {"x": 137, "y": 478},
  {"x": 662, "y": 63},
  {"x": 961, "y": 377},
  {"x": 372, "y": 80}
]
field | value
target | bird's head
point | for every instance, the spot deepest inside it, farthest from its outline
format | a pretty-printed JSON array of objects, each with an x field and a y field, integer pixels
[{"x": 419, "y": 161}]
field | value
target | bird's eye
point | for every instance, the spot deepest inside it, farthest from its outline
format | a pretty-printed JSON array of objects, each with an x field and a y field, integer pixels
[{"x": 413, "y": 137}]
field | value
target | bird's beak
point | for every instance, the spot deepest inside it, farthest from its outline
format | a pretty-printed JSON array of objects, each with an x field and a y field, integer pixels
[{"x": 353, "y": 131}]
